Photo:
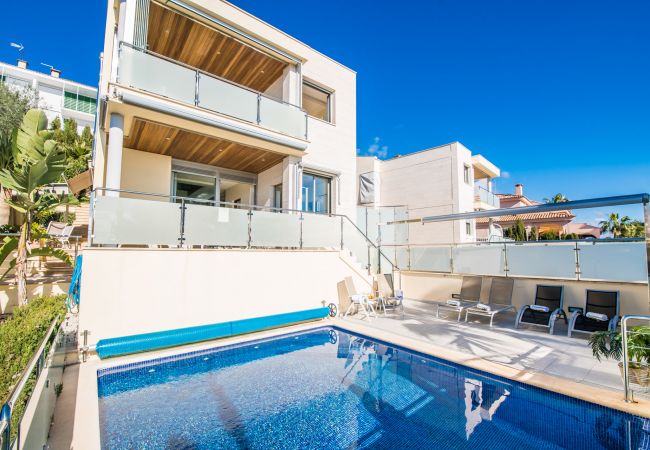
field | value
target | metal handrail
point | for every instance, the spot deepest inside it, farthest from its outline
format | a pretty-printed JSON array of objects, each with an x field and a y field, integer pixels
[
  {"x": 37, "y": 362},
  {"x": 248, "y": 207},
  {"x": 629, "y": 394},
  {"x": 208, "y": 74}
]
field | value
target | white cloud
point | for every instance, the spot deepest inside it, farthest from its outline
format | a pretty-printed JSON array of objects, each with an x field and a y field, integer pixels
[
  {"x": 376, "y": 149},
  {"x": 505, "y": 174}
]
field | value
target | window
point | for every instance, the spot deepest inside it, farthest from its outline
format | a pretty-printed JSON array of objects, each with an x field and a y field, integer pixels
[
  {"x": 315, "y": 193},
  {"x": 316, "y": 101},
  {"x": 277, "y": 196},
  {"x": 467, "y": 174},
  {"x": 78, "y": 102},
  {"x": 468, "y": 228},
  {"x": 194, "y": 186}
]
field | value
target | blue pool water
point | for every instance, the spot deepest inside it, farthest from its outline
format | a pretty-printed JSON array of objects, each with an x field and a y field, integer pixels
[{"x": 326, "y": 388}]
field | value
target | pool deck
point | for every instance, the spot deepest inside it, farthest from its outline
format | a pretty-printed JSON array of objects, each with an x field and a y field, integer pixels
[{"x": 530, "y": 356}]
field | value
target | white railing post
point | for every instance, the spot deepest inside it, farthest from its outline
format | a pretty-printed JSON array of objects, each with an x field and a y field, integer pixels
[{"x": 626, "y": 375}]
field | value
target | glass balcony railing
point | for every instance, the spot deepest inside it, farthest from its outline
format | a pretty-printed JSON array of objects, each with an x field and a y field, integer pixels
[
  {"x": 484, "y": 196},
  {"x": 126, "y": 218},
  {"x": 159, "y": 75},
  {"x": 562, "y": 260}
]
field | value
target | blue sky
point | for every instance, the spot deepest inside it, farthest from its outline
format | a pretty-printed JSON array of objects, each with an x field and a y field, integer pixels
[{"x": 556, "y": 93}]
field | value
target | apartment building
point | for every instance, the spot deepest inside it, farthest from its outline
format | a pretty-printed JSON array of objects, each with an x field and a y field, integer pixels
[
  {"x": 56, "y": 96},
  {"x": 202, "y": 100},
  {"x": 440, "y": 180}
]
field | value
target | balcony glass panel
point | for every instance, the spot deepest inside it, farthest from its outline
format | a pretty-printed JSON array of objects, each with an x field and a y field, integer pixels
[
  {"x": 550, "y": 260},
  {"x": 479, "y": 259},
  {"x": 119, "y": 220},
  {"x": 161, "y": 76},
  {"x": 270, "y": 229},
  {"x": 210, "y": 225},
  {"x": 282, "y": 117},
  {"x": 431, "y": 259},
  {"x": 320, "y": 231},
  {"x": 355, "y": 242},
  {"x": 402, "y": 257},
  {"x": 156, "y": 75},
  {"x": 616, "y": 261},
  {"x": 484, "y": 196},
  {"x": 226, "y": 98}
]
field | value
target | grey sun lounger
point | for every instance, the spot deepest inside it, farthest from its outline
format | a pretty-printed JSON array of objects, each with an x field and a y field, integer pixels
[
  {"x": 500, "y": 300},
  {"x": 394, "y": 298},
  {"x": 470, "y": 293}
]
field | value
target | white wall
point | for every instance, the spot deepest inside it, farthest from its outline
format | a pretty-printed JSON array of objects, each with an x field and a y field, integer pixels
[
  {"x": 430, "y": 182},
  {"x": 132, "y": 291},
  {"x": 425, "y": 183},
  {"x": 265, "y": 182},
  {"x": 241, "y": 191},
  {"x": 146, "y": 172}
]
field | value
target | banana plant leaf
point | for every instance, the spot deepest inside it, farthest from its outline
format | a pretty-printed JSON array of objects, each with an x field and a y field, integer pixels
[{"x": 57, "y": 253}]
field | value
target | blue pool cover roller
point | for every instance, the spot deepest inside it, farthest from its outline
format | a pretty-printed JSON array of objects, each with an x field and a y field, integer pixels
[{"x": 124, "y": 345}]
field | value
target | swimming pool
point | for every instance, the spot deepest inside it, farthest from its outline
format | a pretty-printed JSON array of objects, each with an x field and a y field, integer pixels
[{"x": 327, "y": 388}]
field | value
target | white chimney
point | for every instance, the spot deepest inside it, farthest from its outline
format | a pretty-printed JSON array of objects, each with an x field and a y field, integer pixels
[
  {"x": 519, "y": 189},
  {"x": 22, "y": 64},
  {"x": 55, "y": 73}
]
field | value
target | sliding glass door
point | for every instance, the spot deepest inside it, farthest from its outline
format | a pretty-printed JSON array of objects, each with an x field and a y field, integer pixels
[
  {"x": 316, "y": 193},
  {"x": 194, "y": 186}
]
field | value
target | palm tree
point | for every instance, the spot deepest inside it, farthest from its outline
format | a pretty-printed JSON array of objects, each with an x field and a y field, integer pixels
[
  {"x": 557, "y": 198},
  {"x": 615, "y": 224},
  {"x": 38, "y": 161}
]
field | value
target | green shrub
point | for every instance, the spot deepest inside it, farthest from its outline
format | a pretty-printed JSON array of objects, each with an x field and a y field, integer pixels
[{"x": 21, "y": 334}]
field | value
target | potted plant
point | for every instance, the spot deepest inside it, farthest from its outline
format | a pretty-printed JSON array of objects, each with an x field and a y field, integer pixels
[{"x": 609, "y": 345}]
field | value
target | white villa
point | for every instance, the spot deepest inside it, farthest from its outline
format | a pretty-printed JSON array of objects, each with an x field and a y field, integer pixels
[
  {"x": 441, "y": 180},
  {"x": 222, "y": 106},
  {"x": 58, "y": 97},
  {"x": 249, "y": 282}
]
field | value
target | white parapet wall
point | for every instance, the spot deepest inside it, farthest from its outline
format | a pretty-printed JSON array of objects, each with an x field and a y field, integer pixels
[{"x": 132, "y": 291}]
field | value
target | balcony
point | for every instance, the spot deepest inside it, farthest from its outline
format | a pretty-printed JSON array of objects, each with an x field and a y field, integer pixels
[
  {"x": 157, "y": 74},
  {"x": 124, "y": 218},
  {"x": 483, "y": 197}
]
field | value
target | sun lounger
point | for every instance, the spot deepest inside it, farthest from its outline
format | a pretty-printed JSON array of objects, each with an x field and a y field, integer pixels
[
  {"x": 600, "y": 313},
  {"x": 470, "y": 293},
  {"x": 547, "y": 308},
  {"x": 500, "y": 300}
]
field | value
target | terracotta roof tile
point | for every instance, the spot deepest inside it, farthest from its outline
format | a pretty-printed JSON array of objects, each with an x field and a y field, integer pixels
[{"x": 529, "y": 216}]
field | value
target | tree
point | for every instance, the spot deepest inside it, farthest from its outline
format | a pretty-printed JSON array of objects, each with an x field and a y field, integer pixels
[
  {"x": 557, "y": 198},
  {"x": 517, "y": 231},
  {"x": 14, "y": 103},
  {"x": 634, "y": 229},
  {"x": 534, "y": 234},
  {"x": 38, "y": 161},
  {"x": 615, "y": 224},
  {"x": 549, "y": 235},
  {"x": 77, "y": 147}
]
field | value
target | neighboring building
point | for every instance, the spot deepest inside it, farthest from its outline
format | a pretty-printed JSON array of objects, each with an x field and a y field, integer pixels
[
  {"x": 57, "y": 97},
  {"x": 554, "y": 221},
  {"x": 583, "y": 230},
  {"x": 441, "y": 180},
  {"x": 204, "y": 100}
]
